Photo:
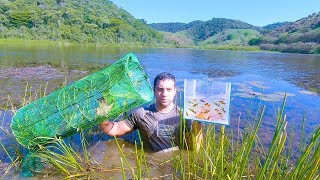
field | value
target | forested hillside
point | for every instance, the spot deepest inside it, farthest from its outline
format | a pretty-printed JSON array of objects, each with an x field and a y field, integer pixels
[
  {"x": 169, "y": 27},
  {"x": 95, "y": 21},
  {"x": 301, "y": 36},
  {"x": 201, "y": 30},
  {"x": 275, "y": 25}
]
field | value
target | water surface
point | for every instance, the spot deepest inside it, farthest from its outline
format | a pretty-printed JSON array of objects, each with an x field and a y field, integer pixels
[{"x": 258, "y": 78}]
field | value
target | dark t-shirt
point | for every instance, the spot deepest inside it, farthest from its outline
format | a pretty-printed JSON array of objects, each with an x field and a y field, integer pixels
[{"x": 158, "y": 131}]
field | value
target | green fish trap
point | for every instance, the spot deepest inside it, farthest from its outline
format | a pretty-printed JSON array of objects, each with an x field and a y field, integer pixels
[{"x": 110, "y": 92}]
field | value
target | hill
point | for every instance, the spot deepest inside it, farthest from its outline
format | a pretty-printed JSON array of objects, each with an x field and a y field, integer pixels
[
  {"x": 95, "y": 21},
  {"x": 217, "y": 31},
  {"x": 234, "y": 37},
  {"x": 169, "y": 27},
  {"x": 202, "y": 31},
  {"x": 275, "y": 25},
  {"x": 301, "y": 36}
]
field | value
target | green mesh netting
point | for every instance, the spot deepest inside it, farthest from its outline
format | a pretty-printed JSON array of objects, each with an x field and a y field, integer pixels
[{"x": 118, "y": 88}]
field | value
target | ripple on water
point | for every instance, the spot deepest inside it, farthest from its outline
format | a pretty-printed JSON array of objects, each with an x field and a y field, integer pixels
[
  {"x": 308, "y": 92},
  {"x": 246, "y": 90},
  {"x": 275, "y": 96},
  {"x": 258, "y": 84}
]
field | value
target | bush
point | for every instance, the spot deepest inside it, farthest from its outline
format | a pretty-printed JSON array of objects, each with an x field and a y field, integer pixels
[{"x": 300, "y": 47}]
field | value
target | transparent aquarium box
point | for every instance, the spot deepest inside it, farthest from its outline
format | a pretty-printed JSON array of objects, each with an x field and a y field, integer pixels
[{"x": 207, "y": 101}]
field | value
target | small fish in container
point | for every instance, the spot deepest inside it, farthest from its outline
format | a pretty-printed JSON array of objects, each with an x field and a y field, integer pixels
[{"x": 207, "y": 101}]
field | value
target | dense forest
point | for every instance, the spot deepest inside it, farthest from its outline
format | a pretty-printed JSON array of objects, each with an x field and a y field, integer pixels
[
  {"x": 95, "y": 21},
  {"x": 102, "y": 22}
]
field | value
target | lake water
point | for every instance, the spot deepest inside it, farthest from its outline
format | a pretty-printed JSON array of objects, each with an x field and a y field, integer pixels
[{"x": 251, "y": 74}]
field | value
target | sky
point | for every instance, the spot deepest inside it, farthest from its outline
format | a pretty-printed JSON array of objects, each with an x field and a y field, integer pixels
[{"x": 255, "y": 12}]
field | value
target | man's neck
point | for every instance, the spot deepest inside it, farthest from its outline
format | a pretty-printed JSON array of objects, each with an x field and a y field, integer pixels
[{"x": 164, "y": 109}]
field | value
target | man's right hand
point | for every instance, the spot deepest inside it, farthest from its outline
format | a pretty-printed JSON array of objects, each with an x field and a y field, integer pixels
[
  {"x": 115, "y": 128},
  {"x": 106, "y": 126}
]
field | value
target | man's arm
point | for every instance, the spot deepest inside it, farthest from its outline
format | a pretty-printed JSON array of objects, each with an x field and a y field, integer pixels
[{"x": 115, "y": 128}]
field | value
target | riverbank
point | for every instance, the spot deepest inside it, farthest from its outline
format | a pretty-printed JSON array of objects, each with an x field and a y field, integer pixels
[
  {"x": 63, "y": 43},
  {"x": 25, "y": 42}
]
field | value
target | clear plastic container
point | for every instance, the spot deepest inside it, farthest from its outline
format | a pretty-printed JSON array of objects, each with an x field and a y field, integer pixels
[{"x": 207, "y": 101}]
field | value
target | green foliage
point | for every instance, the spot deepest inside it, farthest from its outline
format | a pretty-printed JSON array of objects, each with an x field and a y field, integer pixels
[
  {"x": 209, "y": 28},
  {"x": 254, "y": 41},
  {"x": 97, "y": 21},
  {"x": 300, "y": 47},
  {"x": 275, "y": 25},
  {"x": 169, "y": 27},
  {"x": 301, "y": 36},
  {"x": 232, "y": 37},
  {"x": 180, "y": 39}
]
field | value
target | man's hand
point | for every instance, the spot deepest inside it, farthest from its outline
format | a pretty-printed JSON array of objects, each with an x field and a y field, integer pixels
[{"x": 106, "y": 126}]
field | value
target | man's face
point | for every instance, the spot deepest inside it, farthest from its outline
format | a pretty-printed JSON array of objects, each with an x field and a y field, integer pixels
[{"x": 165, "y": 92}]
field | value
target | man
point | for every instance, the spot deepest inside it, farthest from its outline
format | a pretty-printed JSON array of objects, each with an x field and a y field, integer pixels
[{"x": 159, "y": 123}]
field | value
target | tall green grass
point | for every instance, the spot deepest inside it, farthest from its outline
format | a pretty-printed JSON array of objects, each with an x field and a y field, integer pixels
[{"x": 224, "y": 156}]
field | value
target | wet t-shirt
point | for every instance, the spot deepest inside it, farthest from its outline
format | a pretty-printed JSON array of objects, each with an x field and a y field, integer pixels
[{"x": 158, "y": 130}]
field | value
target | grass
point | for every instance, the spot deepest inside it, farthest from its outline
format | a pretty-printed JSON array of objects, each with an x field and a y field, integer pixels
[
  {"x": 231, "y": 47},
  {"x": 225, "y": 154},
  {"x": 27, "y": 42}
]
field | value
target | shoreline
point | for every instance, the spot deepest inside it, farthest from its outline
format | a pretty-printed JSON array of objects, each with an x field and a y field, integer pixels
[{"x": 63, "y": 43}]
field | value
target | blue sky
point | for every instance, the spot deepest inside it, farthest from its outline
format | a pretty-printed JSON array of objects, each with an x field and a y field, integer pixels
[{"x": 258, "y": 13}]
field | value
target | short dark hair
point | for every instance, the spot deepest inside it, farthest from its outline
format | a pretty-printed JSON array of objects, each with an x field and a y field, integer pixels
[{"x": 163, "y": 76}]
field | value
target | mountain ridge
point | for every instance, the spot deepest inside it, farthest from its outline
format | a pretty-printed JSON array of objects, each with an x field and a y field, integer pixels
[{"x": 301, "y": 36}]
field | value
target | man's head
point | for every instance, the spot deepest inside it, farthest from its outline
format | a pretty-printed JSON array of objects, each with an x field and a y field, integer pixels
[
  {"x": 164, "y": 76},
  {"x": 164, "y": 89}
]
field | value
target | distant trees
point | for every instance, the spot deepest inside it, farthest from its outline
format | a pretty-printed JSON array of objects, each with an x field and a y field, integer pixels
[
  {"x": 301, "y": 36},
  {"x": 300, "y": 47},
  {"x": 169, "y": 27},
  {"x": 201, "y": 32},
  {"x": 96, "y": 21}
]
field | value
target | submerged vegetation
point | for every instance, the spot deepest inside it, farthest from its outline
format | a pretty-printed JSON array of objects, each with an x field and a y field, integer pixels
[{"x": 226, "y": 153}]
